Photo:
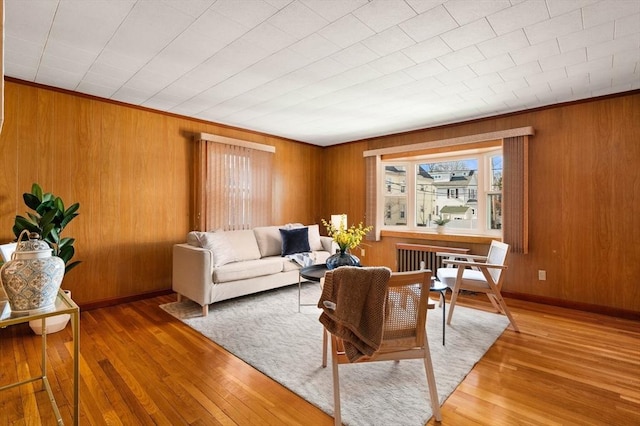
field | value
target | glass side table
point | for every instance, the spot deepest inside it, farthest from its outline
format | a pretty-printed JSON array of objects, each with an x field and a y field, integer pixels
[{"x": 63, "y": 305}]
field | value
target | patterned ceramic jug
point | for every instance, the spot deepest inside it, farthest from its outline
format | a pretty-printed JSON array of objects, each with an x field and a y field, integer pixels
[{"x": 32, "y": 277}]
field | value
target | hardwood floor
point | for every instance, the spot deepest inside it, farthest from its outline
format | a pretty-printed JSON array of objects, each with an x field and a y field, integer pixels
[{"x": 141, "y": 366}]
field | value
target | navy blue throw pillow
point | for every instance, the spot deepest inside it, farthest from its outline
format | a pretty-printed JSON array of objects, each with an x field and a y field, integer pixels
[{"x": 295, "y": 240}]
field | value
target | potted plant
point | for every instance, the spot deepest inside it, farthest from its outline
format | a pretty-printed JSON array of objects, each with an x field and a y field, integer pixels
[
  {"x": 48, "y": 219},
  {"x": 346, "y": 238},
  {"x": 440, "y": 223}
]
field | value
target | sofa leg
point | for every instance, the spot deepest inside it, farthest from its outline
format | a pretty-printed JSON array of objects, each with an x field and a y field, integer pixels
[{"x": 205, "y": 310}]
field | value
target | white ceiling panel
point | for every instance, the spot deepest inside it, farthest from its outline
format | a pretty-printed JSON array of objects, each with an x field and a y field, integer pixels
[
  {"x": 298, "y": 20},
  {"x": 465, "y": 11},
  {"x": 518, "y": 16},
  {"x": 380, "y": 15},
  {"x": 469, "y": 34},
  {"x": 328, "y": 71},
  {"x": 429, "y": 24},
  {"x": 388, "y": 41},
  {"x": 606, "y": 11},
  {"x": 563, "y": 60},
  {"x": 536, "y": 52},
  {"x": 426, "y": 50},
  {"x": 389, "y": 64},
  {"x": 346, "y": 31},
  {"x": 555, "y": 27},
  {"x": 332, "y": 10}
]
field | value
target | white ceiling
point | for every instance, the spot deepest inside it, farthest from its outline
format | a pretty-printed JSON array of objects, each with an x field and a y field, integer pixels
[{"x": 328, "y": 71}]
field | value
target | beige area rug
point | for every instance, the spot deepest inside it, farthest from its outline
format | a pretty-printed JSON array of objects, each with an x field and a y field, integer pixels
[{"x": 255, "y": 329}]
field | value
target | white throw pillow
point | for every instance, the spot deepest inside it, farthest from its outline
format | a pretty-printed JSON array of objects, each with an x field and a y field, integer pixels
[
  {"x": 269, "y": 240},
  {"x": 244, "y": 244},
  {"x": 219, "y": 245},
  {"x": 314, "y": 238}
]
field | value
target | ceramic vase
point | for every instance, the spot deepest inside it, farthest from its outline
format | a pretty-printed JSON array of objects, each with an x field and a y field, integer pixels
[
  {"x": 342, "y": 258},
  {"x": 54, "y": 324},
  {"x": 33, "y": 276}
]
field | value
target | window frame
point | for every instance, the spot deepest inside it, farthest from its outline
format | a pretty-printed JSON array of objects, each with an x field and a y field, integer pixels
[{"x": 483, "y": 156}]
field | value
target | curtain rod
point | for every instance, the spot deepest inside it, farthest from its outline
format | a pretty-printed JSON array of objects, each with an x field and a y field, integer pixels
[
  {"x": 501, "y": 134},
  {"x": 237, "y": 142}
]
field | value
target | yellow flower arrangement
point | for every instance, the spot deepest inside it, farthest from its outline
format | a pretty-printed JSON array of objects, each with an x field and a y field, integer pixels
[{"x": 347, "y": 237}]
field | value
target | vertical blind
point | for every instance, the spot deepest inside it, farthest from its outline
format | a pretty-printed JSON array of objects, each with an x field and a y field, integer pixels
[
  {"x": 515, "y": 193},
  {"x": 371, "y": 188},
  {"x": 232, "y": 184}
]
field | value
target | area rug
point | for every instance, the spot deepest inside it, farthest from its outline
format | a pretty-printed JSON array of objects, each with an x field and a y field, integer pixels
[{"x": 259, "y": 328}]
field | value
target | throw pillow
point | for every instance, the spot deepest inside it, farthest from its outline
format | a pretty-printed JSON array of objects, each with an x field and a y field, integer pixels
[
  {"x": 315, "y": 243},
  {"x": 220, "y": 247},
  {"x": 295, "y": 240}
]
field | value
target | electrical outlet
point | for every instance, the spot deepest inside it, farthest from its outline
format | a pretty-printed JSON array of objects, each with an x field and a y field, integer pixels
[
  {"x": 542, "y": 275},
  {"x": 362, "y": 252}
]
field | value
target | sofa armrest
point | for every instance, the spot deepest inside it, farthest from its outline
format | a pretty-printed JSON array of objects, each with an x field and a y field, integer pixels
[
  {"x": 192, "y": 273},
  {"x": 328, "y": 244}
]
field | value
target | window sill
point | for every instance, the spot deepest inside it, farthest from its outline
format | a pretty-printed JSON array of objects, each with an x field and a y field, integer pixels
[{"x": 432, "y": 236}]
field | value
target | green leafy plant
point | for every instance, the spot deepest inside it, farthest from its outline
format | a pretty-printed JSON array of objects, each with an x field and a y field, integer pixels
[
  {"x": 48, "y": 219},
  {"x": 440, "y": 221}
]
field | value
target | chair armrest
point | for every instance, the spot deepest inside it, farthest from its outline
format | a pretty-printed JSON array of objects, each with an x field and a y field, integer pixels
[
  {"x": 461, "y": 256},
  {"x": 474, "y": 264}
]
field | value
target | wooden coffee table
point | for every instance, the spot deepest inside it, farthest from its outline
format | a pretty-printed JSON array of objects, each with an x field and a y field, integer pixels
[{"x": 310, "y": 273}]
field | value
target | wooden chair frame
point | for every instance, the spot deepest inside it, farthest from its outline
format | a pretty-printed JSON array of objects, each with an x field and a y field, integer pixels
[
  {"x": 415, "y": 346},
  {"x": 493, "y": 287}
]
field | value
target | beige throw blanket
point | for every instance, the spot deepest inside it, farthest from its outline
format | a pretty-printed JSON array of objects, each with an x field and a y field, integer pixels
[{"x": 353, "y": 301}]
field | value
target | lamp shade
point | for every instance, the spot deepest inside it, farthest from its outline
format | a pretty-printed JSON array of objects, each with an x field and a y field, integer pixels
[{"x": 337, "y": 219}]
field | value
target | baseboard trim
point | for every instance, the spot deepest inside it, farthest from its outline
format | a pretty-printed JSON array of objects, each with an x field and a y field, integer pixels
[
  {"x": 587, "y": 307},
  {"x": 119, "y": 300}
]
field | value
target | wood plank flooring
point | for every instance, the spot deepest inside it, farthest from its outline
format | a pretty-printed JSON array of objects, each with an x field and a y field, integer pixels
[{"x": 140, "y": 366}]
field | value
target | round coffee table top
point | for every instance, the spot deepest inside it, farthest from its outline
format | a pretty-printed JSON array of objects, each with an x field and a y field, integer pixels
[{"x": 314, "y": 272}]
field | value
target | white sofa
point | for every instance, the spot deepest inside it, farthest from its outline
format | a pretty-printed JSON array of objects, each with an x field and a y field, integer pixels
[{"x": 215, "y": 266}]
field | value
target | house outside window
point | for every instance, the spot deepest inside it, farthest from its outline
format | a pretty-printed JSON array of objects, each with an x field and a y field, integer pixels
[
  {"x": 464, "y": 187},
  {"x": 395, "y": 198}
]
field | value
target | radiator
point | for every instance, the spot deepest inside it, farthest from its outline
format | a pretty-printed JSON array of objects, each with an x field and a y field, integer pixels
[{"x": 413, "y": 257}]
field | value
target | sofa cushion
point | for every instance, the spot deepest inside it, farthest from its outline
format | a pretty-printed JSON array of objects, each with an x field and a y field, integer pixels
[
  {"x": 193, "y": 238},
  {"x": 320, "y": 257},
  {"x": 269, "y": 240},
  {"x": 295, "y": 240},
  {"x": 243, "y": 242},
  {"x": 315, "y": 243},
  {"x": 248, "y": 269},
  {"x": 219, "y": 245}
]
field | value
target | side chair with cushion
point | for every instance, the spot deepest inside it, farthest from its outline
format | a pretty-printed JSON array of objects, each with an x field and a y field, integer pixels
[
  {"x": 373, "y": 314},
  {"x": 482, "y": 274}
]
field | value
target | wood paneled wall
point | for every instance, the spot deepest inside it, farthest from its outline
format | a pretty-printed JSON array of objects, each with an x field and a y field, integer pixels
[
  {"x": 130, "y": 169},
  {"x": 584, "y": 188}
]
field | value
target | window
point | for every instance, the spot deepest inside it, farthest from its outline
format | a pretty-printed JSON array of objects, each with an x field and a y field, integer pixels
[
  {"x": 510, "y": 214},
  {"x": 464, "y": 187}
]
